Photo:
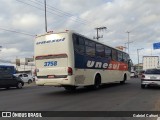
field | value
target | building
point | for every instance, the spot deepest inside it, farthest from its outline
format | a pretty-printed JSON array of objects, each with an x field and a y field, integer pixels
[
  {"x": 25, "y": 65},
  {"x": 22, "y": 65},
  {"x": 150, "y": 62},
  {"x": 138, "y": 67}
]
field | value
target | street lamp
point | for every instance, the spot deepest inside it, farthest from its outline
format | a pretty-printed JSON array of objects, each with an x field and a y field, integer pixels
[{"x": 138, "y": 56}]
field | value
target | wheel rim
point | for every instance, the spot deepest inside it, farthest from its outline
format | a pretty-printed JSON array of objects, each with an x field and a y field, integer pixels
[{"x": 19, "y": 85}]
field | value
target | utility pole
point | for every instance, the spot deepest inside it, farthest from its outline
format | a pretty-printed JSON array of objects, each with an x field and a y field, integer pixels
[
  {"x": 98, "y": 29},
  {"x": 125, "y": 47},
  {"x": 128, "y": 41},
  {"x": 138, "y": 56},
  {"x": 128, "y": 46},
  {"x": 45, "y": 15}
]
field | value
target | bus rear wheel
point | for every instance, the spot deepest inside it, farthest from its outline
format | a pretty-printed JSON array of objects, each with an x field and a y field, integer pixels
[
  {"x": 97, "y": 82},
  {"x": 124, "y": 79}
]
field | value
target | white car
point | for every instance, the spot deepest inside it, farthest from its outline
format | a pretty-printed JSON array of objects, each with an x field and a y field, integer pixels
[
  {"x": 134, "y": 74},
  {"x": 25, "y": 77},
  {"x": 151, "y": 77}
]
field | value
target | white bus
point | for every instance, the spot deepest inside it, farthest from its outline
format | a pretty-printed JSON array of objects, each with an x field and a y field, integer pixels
[{"x": 69, "y": 60}]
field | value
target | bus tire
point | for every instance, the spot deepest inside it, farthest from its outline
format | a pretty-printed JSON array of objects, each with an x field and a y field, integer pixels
[
  {"x": 19, "y": 85},
  {"x": 97, "y": 82},
  {"x": 142, "y": 86},
  {"x": 29, "y": 81},
  {"x": 70, "y": 88},
  {"x": 124, "y": 79}
]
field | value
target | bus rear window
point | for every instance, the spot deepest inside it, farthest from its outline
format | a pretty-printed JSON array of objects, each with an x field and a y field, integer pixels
[{"x": 50, "y": 56}]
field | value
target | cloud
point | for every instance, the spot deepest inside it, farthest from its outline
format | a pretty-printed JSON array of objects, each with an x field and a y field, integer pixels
[
  {"x": 8, "y": 53},
  {"x": 140, "y": 17},
  {"x": 76, "y": 7},
  {"x": 27, "y": 21}
]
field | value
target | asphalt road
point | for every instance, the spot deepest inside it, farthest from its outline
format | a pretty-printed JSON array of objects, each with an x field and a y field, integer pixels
[{"x": 113, "y": 97}]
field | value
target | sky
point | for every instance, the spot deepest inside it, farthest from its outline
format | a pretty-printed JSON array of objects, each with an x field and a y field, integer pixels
[{"x": 21, "y": 20}]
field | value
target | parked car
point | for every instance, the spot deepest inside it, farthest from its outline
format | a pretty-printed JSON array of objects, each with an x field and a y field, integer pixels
[
  {"x": 25, "y": 77},
  {"x": 151, "y": 77},
  {"x": 141, "y": 72},
  {"x": 134, "y": 74},
  {"x": 8, "y": 80}
]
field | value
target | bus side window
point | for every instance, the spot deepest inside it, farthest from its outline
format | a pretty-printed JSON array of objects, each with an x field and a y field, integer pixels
[
  {"x": 120, "y": 57},
  {"x": 78, "y": 40},
  {"x": 90, "y": 48},
  {"x": 124, "y": 57},
  {"x": 100, "y": 50},
  {"x": 108, "y": 52},
  {"x": 114, "y": 54},
  {"x": 78, "y": 44},
  {"x": 128, "y": 58}
]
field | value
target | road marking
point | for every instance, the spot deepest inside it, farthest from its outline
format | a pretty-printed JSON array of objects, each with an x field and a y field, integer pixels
[{"x": 158, "y": 118}]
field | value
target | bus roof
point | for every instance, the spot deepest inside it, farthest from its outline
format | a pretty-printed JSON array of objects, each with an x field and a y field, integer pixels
[
  {"x": 51, "y": 32},
  {"x": 73, "y": 32}
]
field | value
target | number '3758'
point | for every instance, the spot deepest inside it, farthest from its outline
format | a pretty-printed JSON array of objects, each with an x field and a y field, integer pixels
[{"x": 50, "y": 63}]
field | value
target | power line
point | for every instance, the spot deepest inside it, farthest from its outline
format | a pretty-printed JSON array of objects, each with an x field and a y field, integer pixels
[
  {"x": 53, "y": 8},
  {"x": 82, "y": 22},
  {"x": 60, "y": 13},
  {"x": 14, "y": 31},
  {"x": 58, "y": 10},
  {"x": 30, "y": 5}
]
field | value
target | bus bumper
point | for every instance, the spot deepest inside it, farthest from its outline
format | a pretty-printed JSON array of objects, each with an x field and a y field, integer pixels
[{"x": 55, "y": 82}]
